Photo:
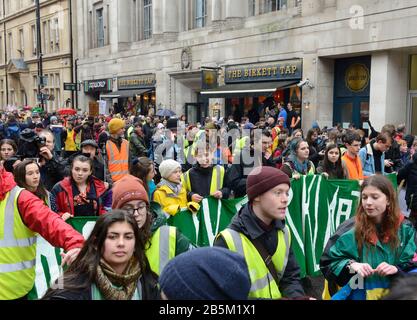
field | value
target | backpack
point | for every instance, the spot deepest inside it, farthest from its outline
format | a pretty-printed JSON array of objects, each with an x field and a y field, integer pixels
[{"x": 13, "y": 132}]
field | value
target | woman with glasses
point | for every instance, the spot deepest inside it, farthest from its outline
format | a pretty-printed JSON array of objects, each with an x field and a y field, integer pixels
[{"x": 130, "y": 195}]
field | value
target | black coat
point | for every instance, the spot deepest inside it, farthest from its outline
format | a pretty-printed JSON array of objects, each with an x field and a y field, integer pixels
[
  {"x": 150, "y": 290},
  {"x": 238, "y": 173},
  {"x": 246, "y": 222},
  {"x": 409, "y": 173},
  {"x": 52, "y": 172}
]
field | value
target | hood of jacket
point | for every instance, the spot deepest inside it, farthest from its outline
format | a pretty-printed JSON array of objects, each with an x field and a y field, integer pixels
[
  {"x": 158, "y": 217},
  {"x": 7, "y": 182}
]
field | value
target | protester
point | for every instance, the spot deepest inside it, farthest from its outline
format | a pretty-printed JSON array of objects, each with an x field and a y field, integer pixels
[
  {"x": 409, "y": 175},
  {"x": 171, "y": 193},
  {"x": 27, "y": 176},
  {"x": 137, "y": 142},
  {"x": 117, "y": 150},
  {"x": 111, "y": 265},
  {"x": 373, "y": 155},
  {"x": 144, "y": 169},
  {"x": 80, "y": 194},
  {"x": 375, "y": 245},
  {"x": 68, "y": 138},
  {"x": 351, "y": 157},
  {"x": 298, "y": 162},
  {"x": 52, "y": 166},
  {"x": 332, "y": 166},
  {"x": 259, "y": 233},
  {"x": 29, "y": 217},
  {"x": 8, "y": 149},
  {"x": 162, "y": 242},
  {"x": 201, "y": 275},
  {"x": 315, "y": 154},
  {"x": 205, "y": 179}
]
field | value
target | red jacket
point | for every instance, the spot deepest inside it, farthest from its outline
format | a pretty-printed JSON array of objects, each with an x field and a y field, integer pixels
[
  {"x": 39, "y": 218},
  {"x": 62, "y": 196}
]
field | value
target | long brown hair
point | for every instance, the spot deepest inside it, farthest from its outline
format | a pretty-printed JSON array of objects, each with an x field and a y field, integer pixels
[
  {"x": 365, "y": 228},
  {"x": 91, "y": 253},
  {"x": 140, "y": 168},
  {"x": 19, "y": 174}
]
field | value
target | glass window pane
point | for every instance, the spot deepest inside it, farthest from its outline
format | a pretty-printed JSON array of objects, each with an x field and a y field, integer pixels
[
  {"x": 413, "y": 73},
  {"x": 346, "y": 112},
  {"x": 364, "y": 113},
  {"x": 414, "y": 115}
]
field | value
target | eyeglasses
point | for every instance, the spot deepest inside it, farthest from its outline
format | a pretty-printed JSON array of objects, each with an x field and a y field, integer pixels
[{"x": 140, "y": 209}]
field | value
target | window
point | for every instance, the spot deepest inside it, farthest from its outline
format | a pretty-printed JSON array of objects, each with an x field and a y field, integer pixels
[
  {"x": 56, "y": 28},
  {"x": 45, "y": 37},
  {"x": 100, "y": 27},
  {"x": 200, "y": 13},
  {"x": 51, "y": 36},
  {"x": 34, "y": 41},
  {"x": 252, "y": 8},
  {"x": 10, "y": 46},
  {"x": 413, "y": 72},
  {"x": 274, "y": 5},
  {"x": 147, "y": 19},
  {"x": 21, "y": 44}
]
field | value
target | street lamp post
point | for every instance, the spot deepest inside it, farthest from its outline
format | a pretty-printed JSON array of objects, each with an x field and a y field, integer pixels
[{"x": 39, "y": 52}]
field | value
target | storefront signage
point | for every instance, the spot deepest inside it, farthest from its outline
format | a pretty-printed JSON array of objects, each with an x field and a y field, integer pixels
[
  {"x": 272, "y": 71},
  {"x": 357, "y": 77},
  {"x": 102, "y": 85},
  {"x": 209, "y": 79},
  {"x": 137, "y": 82}
]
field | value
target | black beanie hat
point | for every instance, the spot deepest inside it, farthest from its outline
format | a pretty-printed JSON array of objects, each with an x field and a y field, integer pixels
[
  {"x": 209, "y": 273},
  {"x": 262, "y": 179}
]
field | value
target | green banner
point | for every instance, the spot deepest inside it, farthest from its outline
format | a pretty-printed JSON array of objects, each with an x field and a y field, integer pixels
[
  {"x": 316, "y": 208},
  {"x": 48, "y": 259}
]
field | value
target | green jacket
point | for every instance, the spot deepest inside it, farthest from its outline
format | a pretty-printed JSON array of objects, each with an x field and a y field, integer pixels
[
  {"x": 159, "y": 219},
  {"x": 342, "y": 247}
]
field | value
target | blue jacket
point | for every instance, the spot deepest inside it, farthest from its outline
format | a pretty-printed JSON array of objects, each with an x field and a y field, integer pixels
[{"x": 367, "y": 158}]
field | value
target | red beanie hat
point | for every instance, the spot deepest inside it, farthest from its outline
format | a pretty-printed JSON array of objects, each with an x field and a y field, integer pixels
[
  {"x": 127, "y": 189},
  {"x": 262, "y": 179}
]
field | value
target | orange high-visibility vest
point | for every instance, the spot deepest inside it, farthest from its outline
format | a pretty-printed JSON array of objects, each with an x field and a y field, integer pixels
[{"x": 118, "y": 161}]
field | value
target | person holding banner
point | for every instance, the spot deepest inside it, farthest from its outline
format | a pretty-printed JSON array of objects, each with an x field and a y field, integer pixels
[
  {"x": 131, "y": 196},
  {"x": 258, "y": 232},
  {"x": 22, "y": 216},
  {"x": 368, "y": 250},
  {"x": 111, "y": 265}
]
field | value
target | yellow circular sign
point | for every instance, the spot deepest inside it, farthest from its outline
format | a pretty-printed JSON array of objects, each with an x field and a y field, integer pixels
[{"x": 357, "y": 77}]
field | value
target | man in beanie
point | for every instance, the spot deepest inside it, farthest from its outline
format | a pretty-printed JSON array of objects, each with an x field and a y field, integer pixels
[
  {"x": 170, "y": 192},
  {"x": 130, "y": 195},
  {"x": 206, "y": 274},
  {"x": 258, "y": 232},
  {"x": 117, "y": 150}
]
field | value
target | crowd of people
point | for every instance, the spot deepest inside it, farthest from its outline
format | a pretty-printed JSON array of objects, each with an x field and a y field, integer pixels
[{"x": 135, "y": 172}]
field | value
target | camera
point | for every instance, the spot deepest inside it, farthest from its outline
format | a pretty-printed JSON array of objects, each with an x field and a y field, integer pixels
[{"x": 30, "y": 144}]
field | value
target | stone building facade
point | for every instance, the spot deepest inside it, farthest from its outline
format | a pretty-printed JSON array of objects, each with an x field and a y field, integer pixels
[
  {"x": 359, "y": 56},
  {"x": 18, "y": 53}
]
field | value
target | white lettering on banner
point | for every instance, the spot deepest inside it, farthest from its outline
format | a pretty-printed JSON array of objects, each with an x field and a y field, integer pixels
[
  {"x": 291, "y": 225},
  {"x": 343, "y": 203},
  {"x": 331, "y": 227},
  {"x": 88, "y": 227},
  {"x": 46, "y": 251},
  {"x": 207, "y": 221}
]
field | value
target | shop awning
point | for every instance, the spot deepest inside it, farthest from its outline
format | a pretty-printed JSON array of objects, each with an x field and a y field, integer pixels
[
  {"x": 124, "y": 93},
  {"x": 250, "y": 87}
]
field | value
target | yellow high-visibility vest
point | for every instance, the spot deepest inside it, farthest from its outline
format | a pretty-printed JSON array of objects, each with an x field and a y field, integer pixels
[
  {"x": 161, "y": 248},
  {"x": 17, "y": 250},
  {"x": 263, "y": 285},
  {"x": 217, "y": 179}
]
